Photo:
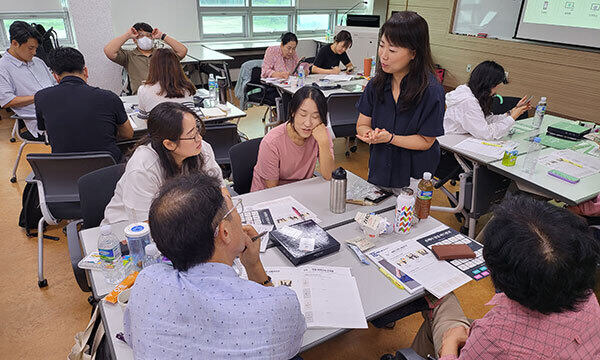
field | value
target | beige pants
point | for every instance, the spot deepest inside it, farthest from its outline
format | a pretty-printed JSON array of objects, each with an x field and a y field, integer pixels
[{"x": 446, "y": 315}]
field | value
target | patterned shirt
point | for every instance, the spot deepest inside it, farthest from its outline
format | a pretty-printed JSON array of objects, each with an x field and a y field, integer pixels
[
  {"x": 208, "y": 312},
  {"x": 512, "y": 331},
  {"x": 275, "y": 62}
]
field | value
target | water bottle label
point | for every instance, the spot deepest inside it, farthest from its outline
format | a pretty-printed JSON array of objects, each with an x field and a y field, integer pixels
[
  {"x": 540, "y": 108},
  {"x": 107, "y": 254},
  {"x": 425, "y": 195}
]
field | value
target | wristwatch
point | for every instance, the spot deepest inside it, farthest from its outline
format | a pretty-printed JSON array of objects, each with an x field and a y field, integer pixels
[
  {"x": 163, "y": 37},
  {"x": 267, "y": 281}
]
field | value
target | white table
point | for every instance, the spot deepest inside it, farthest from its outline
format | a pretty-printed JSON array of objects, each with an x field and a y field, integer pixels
[
  {"x": 378, "y": 294},
  {"x": 553, "y": 188},
  {"x": 204, "y": 54},
  {"x": 315, "y": 78}
]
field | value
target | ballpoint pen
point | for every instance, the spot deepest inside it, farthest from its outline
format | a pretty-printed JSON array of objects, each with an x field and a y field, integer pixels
[
  {"x": 571, "y": 162},
  {"x": 254, "y": 238}
]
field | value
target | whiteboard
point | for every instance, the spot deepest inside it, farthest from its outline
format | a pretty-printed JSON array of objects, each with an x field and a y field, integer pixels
[{"x": 497, "y": 18}]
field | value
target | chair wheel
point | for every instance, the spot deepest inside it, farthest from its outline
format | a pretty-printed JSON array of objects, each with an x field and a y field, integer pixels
[
  {"x": 353, "y": 149},
  {"x": 453, "y": 182},
  {"x": 13, "y": 139},
  {"x": 43, "y": 283},
  {"x": 347, "y": 153},
  {"x": 13, "y": 179}
]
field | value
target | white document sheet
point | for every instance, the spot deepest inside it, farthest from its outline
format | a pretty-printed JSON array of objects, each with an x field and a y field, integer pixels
[
  {"x": 572, "y": 162},
  {"x": 212, "y": 112},
  {"x": 438, "y": 277},
  {"x": 339, "y": 77},
  {"x": 493, "y": 149},
  {"x": 328, "y": 296},
  {"x": 132, "y": 122},
  {"x": 264, "y": 240},
  {"x": 282, "y": 211}
]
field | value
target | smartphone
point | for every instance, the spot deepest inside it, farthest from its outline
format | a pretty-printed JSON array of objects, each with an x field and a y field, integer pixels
[{"x": 529, "y": 99}]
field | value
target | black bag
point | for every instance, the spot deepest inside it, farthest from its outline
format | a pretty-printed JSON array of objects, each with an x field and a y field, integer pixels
[
  {"x": 49, "y": 42},
  {"x": 30, "y": 212}
]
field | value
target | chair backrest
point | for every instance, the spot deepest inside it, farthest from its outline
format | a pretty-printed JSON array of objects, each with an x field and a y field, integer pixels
[
  {"x": 508, "y": 103},
  {"x": 255, "y": 77},
  {"x": 59, "y": 173},
  {"x": 342, "y": 113},
  {"x": 96, "y": 189},
  {"x": 222, "y": 137},
  {"x": 243, "y": 159}
]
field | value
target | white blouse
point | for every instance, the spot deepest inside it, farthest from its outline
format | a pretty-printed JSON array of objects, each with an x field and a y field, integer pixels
[
  {"x": 148, "y": 97},
  {"x": 141, "y": 183},
  {"x": 464, "y": 116}
]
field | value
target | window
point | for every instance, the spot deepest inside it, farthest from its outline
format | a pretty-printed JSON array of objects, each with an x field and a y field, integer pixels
[
  {"x": 222, "y": 25},
  {"x": 58, "y": 20},
  {"x": 312, "y": 22},
  {"x": 272, "y": 2},
  {"x": 270, "y": 23},
  {"x": 222, "y": 3}
]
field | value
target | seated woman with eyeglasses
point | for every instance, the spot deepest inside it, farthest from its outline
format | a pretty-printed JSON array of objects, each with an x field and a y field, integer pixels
[{"x": 172, "y": 147}]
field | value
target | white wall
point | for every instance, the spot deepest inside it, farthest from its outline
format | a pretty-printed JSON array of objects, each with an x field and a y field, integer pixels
[{"x": 93, "y": 30}]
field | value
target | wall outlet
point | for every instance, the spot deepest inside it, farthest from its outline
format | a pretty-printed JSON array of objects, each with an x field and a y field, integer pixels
[{"x": 468, "y": 68}]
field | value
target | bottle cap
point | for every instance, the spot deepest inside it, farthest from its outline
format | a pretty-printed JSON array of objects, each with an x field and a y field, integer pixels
[
  {"x": 543, "y": 99},
  {"x": 339, "y": 174},
  {"x": 537, "y": 139},
  {"x": 152, "y": 250},
  {"x": 105, "y": 229},
  {"x": 426, "y": 176},
  {"x": 137, "y": 230}
]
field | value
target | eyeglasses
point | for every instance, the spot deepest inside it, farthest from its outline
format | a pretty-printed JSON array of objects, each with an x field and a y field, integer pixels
[
  {"x": 197, "y": 135},
  {"x": 238, "y": 205}
]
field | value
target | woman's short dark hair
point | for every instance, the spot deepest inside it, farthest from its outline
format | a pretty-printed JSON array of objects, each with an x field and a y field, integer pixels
[
  {"x": 65, "y": 60},
  {"x": 165, "y": 121},
  {"x": 541, "y": 256},
  {"x": 21, "y": 32},
  {"x": 142, "y": 26},
  {"x": 183, "y": 218},
  {"x": 166, "y": 70},
  {"x": 344, "y": 37},
  {"x": 287, "y": 37},
  {"x": 308, "y": 92},
  {"x": 409, "y": 30},
  {"x": 483, "y": 79}
]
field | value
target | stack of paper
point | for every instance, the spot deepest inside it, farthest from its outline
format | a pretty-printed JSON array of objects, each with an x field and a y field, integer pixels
[
  {"x": 572, "y": 162},
  {"x": 493, "y": 149},
  {"x": 328, "y": 296},
  {"x": 338, "y": 77},
  {"x": 211, "y": 112},
  {"x": 286, "y": 211}
]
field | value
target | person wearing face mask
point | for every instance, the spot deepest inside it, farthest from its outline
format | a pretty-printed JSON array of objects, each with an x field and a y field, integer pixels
[
  {"x": 402, "y": 107},
  {"x": 137, "y": 61},
  {"x": 329, "y": 57},
  {"x": 172, "y": 147},
  {"x": 290, "y": 151},
  {"x": 469, "y": 106},
  {"x": 22, "y": 75},
  {"x": 76, "y": 116}
]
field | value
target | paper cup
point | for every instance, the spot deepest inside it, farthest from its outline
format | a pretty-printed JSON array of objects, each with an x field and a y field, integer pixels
[{"x": 123, "y": 297}]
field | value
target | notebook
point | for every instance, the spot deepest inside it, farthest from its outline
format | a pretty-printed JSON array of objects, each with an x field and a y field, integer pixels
[{"x": 303, "y": 242}]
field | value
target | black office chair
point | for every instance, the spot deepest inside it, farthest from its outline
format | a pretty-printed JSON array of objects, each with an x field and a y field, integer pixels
[
  {"x": 403, "y": 354},
  {"x": 243, "y": 159},
  {"x": 260, "y": 94},
  {"x": 56, "y": 176},
  {"x": 342, "y": 114},
  {"x": 20, "y": 132},
  {"x": 222, "y": 137},
  {"x": 508, "y": 103},
  {"x": 96, "y": 189}
]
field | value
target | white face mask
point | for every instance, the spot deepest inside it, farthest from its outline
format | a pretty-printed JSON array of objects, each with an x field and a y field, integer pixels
[{"x": 145, "y": 43}]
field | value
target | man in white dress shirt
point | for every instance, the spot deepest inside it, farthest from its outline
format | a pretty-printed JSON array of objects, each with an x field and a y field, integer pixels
[{"x": 22, "y": 75}]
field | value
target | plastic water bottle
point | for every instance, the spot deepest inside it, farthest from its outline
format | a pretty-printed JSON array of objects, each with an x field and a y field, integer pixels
[
  {"x": 540, "y": 111},
  {"x": 533, "y": 153},
  {"x": 373, "y": 65},
  {"x": 300, "y": 76},
  {"x": 424, "y": 196},
  {"x": 212, "y": 88},
  {"x": 153, "y": 256},
  {"x": 110, "y": 254}
]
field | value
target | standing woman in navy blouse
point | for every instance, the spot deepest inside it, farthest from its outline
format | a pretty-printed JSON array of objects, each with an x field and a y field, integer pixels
[{"x": 402, "y": 107}]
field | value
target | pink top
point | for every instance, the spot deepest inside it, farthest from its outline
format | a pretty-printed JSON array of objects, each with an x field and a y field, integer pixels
[
  {"x": 590, "y": 208},
  {"x": 280, "y": 159},
  {"x": 512, "y": 331},
  {"x": 275, "y": 62}
]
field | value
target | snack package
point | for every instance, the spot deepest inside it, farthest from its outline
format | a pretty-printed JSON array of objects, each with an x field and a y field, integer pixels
[{"x": 125, "y": 284}]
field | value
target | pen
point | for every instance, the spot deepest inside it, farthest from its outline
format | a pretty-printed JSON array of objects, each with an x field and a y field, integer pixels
[
  {"x": 490, "y": 144},
  {"x": 571, "y": 162},
  {"x": 298, "y": 213},
  {"x": 394, "y": 281},
  {"x": 254, "y": 238}
]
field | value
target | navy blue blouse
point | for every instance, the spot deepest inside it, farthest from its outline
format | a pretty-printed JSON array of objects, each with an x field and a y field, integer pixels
[{"x": 392, "y": 166}]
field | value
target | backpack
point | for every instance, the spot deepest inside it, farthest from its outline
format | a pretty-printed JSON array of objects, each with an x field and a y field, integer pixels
[
  {"x": 48, "y": 43},
  {"x": 30, "y": 212}
]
